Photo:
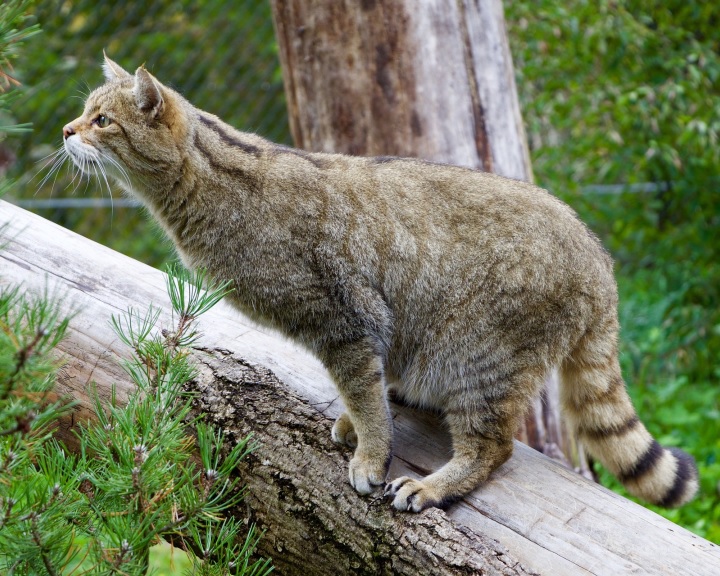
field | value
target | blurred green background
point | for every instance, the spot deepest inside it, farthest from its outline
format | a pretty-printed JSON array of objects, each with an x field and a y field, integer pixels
[{"x": 622, "y": 109}]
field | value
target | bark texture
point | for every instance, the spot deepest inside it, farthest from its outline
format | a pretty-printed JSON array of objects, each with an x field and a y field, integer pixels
[
  {"x": 431, "y": 79},
  {"x": 313, "y": 520}
]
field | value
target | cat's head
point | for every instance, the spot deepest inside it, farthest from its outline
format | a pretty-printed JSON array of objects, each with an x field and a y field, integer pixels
[{"x": 132, "y": 128}]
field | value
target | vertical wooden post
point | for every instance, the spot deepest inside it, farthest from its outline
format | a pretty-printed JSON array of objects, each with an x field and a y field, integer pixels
[{"x": 426, "y": 78}]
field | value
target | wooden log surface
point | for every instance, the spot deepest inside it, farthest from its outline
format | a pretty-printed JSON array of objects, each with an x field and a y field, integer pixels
[{"x": 551, "y": 520}]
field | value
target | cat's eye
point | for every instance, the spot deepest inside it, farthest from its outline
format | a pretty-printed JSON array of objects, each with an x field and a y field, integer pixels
[{"x": 102, "y": 121}]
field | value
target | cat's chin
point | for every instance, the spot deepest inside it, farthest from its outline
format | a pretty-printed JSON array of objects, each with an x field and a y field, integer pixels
[{"x": 83, "y": 155}]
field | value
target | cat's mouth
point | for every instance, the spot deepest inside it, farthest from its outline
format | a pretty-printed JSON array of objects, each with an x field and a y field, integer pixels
[
  {"x": 92, "y": 161},
  {"x": 83, "y": 155}
]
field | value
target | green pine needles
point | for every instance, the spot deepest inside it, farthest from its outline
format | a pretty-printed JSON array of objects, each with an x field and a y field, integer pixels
[
  {"x": 14, "y": 30},
  {"x": 146, "y": 470}
]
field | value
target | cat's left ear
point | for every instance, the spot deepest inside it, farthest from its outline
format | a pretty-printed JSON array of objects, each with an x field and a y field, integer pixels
[
  {"x": 113, "y": 71},
  {"x": 148, "y": 94}
]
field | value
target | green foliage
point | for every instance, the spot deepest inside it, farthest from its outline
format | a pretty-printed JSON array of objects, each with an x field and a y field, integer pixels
[
  {"x": 14, "y": 30},
  {"x": 626, "y": 92},
  {"x": 136, "y": 479},
  {"x": 31, "y": 500}
]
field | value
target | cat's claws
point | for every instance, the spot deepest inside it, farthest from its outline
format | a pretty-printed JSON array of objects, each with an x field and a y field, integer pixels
[{"x": 412, "y": 495}]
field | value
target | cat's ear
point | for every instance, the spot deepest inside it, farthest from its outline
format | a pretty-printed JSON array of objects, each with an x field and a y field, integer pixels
[
  {"x": 148, "y": 94},
  {"x": 114, "y": 71}
]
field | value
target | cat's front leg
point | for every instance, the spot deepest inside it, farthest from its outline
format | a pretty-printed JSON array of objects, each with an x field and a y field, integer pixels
[{"x": 358, "y": 374}]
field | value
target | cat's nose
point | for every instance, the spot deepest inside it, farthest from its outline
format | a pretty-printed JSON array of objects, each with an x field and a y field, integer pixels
[{"x": 68, "y": 131}]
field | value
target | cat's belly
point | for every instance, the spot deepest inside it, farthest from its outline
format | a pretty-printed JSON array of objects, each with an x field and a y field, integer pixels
[{"x": 419, "y": 384}]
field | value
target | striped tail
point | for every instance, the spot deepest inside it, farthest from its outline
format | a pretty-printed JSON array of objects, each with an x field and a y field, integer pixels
[{"x": 596, "y": 402}]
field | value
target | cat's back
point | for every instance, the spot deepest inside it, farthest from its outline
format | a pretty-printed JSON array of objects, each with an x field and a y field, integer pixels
[
  {"x": 425, "y": 232},
  {"x": 470, "y": 216},
  {"x": 485, "y": 245}
]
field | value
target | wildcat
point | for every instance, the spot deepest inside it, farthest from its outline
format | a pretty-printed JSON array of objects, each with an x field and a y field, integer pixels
[{"x": 456, "y": 289}]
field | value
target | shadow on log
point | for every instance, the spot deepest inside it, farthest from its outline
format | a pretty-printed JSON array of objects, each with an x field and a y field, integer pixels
[{"x": 532, "y": 516}]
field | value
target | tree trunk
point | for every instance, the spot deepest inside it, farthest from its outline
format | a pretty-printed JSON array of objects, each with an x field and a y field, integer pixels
[
  {"x": 532, "y": 515},
  {"x": 431, "y": 79}
]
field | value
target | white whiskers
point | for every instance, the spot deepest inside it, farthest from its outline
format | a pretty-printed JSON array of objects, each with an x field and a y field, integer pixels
[
  {"x": 86, "y": 162},
  {"x": 56, "y": 160}
]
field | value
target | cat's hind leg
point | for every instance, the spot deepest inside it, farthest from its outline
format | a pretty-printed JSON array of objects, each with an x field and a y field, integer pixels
[
  {"x": 474, "y": 458},
  {"x": 482, "y": 424}
]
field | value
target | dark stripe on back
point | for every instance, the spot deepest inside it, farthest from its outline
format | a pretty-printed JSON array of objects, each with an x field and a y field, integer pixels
[
  {"x": 686, "y": 471},
  {"x": 389, "y": 159},
  {"x": 645, "y": 463},
  {"x": 318, "y": 163},
  {"x": 384, "y": 159},
  {"x": 249, "y": 181},
  {"x": 229, "y": 139},
  {"x": 619, "y": 430}
]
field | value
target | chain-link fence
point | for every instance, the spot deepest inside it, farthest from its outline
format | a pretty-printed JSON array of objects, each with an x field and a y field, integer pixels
[{"x": 220, "y": 54}]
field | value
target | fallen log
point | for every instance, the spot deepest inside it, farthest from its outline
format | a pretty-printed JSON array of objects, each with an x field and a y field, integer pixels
[{"x": 532, "y": 516}]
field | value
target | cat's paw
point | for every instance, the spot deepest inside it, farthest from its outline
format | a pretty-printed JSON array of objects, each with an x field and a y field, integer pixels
[
  {"x": 367, "y": 473},
  {"x": 412, "y": 495},
  {"x": 343, "y": 431}
]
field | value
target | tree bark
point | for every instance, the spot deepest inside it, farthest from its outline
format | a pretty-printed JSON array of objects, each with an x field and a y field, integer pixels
[
  {"x": 431, "y": 79},
  {"x": 532, "y": 515},
  {"x": 313, "y": 520}
]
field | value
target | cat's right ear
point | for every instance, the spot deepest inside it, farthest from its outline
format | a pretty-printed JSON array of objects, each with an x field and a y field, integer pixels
[
  {"x": 148, "y": 94},
  {"x": 113, "y": 71}
]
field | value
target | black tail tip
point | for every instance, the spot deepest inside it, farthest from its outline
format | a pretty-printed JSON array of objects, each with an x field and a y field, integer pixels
[{"x": 686, "y": 481}]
